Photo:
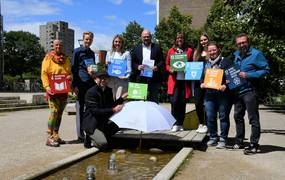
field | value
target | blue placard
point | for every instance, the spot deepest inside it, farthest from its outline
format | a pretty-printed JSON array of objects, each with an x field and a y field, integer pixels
[
  {"x": 117, "y": 67},
  {"x": 232, "y": 75},
  {"x": 89, "y": 61},
  {"x": 193, "y": 70},
  {"x": 147, "y": 71}
]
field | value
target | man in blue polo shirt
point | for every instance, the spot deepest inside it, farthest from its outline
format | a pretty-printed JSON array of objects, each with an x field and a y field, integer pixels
[{"x": 253, "y": 66}]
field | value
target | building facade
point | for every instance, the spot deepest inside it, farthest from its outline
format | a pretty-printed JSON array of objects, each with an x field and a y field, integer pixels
[
  {"x": 199, "y": 9},
  {"x": 57, "y": 30},
  {"x": 1, "y": 49}
]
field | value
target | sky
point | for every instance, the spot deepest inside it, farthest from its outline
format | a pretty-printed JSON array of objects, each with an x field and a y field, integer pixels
[{"x": 105, "y": 18}]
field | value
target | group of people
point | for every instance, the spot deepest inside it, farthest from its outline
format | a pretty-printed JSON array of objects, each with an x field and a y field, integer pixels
[{"x": 100, "y": 96}]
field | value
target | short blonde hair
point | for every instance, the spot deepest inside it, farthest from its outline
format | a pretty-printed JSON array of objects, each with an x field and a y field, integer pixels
[{"x": 88, "y": 33}]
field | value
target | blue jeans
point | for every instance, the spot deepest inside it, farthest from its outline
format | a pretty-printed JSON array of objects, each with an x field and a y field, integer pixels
[{"x": 217, "y": 103}]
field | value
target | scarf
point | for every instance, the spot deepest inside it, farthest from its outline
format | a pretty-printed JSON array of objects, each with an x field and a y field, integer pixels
[
  {"x": 57, "y": 58},
  {"x": 214, "y": 62}
]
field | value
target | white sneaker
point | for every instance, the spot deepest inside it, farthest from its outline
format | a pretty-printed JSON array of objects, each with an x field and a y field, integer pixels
[
  {"x": 199, "y": 128},
  {"x": 177, "y": 128},
  {"x": 204, "y": 129}
]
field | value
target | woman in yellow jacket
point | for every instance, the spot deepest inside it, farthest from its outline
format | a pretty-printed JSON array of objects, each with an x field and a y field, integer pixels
[{"x": 55, "y": 63}]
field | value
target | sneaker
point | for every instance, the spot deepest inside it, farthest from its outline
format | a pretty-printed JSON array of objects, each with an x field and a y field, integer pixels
[
  {"x": 212, "y": 142},
  {"x": 251, "y": 149},
  {"x": 177, "y": 128},
  {"x": 204, "y": 129},
  {"x": 199, "y": 128},
  {"x": 221, "y": 145},
  {"x": 52, "y": 143},
  {"x": 235, "y": 147}
]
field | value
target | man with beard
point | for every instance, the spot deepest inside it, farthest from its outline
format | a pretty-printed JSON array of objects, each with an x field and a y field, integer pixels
[{"x": 253, "y": 66}]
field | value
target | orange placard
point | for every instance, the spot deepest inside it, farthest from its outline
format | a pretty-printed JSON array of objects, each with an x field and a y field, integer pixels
[
  {"x": 59, "y": 83},
  {"x": 213, "y": 78}
]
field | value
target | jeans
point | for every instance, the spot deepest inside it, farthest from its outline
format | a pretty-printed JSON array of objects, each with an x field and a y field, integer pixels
[
  {"x": 178, "y": 102},
  {"x": 217, "y": 102},
  {"x": 247, "y": 102}
]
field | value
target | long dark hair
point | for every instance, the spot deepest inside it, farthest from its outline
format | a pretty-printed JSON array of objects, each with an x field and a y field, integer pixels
[
  {"x": 200, "y": 48},
  {"x": 175, "y": 45}
]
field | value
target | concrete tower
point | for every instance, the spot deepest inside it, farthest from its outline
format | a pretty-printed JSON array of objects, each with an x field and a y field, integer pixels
[{"x": 57, "y": 30}]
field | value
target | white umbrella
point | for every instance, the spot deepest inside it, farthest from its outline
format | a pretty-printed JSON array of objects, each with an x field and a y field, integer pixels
[{"x": 144, "y": 116}]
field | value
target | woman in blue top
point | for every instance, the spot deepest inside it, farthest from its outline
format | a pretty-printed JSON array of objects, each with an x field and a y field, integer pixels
[
  {"x": 217, "y": 101},
  {"x": 119, "y": 84}
]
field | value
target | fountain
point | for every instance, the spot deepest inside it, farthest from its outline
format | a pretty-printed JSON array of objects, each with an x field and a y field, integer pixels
[{"x": 116, "y": 164}]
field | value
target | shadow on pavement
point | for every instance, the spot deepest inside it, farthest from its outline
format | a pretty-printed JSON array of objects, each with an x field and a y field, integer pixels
[
  {"x": 278, "y": 111},
  {"x": 275, "y": 131},
  {"x": 270, "y": 148}
]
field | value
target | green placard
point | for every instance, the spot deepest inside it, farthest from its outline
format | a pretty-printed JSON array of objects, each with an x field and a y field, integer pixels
[
  {"x": 178, "y": 62},
  {"x": 137, "y": 91}
]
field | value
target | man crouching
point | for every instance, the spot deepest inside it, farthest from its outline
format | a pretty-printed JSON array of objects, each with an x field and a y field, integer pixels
[{"x": 99, "y": 107}]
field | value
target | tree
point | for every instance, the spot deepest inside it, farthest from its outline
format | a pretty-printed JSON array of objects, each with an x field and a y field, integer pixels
[
  {"x": 263, "y": 21},
  {"x": 22, "y": 53},
  {"x": 168, "y": 27},
  {"x": 132, "y": 35}
]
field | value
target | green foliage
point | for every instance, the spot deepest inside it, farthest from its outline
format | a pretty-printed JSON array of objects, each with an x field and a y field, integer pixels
[
  {"x": 263, "y": 21},
  {"x": 276, "y": 100},
  {"x": 22, "y": 53},
  {"x": 132, "y": 35},
  {"x": 165, "y": 34},
  {"x": 167, "y": 29}
]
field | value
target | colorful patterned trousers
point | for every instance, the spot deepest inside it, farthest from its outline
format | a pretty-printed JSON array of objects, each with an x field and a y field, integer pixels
[{"x": 57, "y": 104}]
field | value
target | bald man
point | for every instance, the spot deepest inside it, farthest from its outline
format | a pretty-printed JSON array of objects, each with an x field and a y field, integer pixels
[{"x": 148, "y": 51}]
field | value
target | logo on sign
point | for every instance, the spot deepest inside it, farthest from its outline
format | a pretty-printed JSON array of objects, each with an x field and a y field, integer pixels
[{"x": 179, "y": 64}]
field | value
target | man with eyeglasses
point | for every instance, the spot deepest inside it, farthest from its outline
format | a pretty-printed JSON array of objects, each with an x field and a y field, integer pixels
[{"x": 253, "y": 66}]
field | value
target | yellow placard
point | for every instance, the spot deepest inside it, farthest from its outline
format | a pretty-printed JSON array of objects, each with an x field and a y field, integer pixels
[{"x": 213, "y": 78}]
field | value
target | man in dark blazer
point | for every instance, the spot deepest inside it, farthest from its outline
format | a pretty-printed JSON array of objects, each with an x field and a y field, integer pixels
[
  {"x": 148, "y": 51},
  {"x": 99, "y": 107}
]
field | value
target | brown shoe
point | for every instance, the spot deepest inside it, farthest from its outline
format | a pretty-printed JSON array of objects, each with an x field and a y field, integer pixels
[{"x": 52, "y": 143}]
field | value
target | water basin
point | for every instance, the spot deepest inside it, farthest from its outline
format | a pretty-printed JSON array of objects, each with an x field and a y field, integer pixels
[{"x": 131, "y": 164}]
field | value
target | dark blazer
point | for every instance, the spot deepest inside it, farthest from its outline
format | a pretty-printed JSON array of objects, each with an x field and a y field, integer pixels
[
  {"x": 79, "y": 68},
  {"x": 137, "y": 57},
  {"x": 98, "y": 108}
]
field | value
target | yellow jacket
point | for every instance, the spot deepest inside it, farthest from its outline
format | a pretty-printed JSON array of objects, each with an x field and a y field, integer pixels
[{"x": 49, "y": 67}]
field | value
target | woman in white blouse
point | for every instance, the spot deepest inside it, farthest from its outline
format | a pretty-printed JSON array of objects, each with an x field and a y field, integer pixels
[{"x": 119, "y": 84}]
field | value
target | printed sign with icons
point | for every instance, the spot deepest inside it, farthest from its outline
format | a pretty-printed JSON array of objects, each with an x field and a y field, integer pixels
[
  {"x": 59, "y": 83},
  {"x": 117, "y": 67},
  {"x": 137, "y": 91},
  {"x": 193, "y": 70},
  {"x": 232, "y": 75},
  {"x": 178, "y": 62},
  {"x": 213, "y": 78}
]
